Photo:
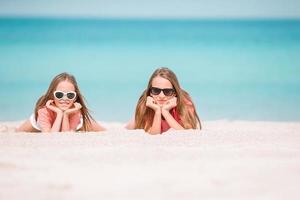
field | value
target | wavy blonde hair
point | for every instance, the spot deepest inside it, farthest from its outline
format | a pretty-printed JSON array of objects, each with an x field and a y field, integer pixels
[
  {"x": 144, "y": 115},
  {"x": 79, "y": 98}
]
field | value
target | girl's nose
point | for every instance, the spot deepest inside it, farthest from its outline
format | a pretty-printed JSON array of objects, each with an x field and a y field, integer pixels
[
  {"x": 65, "y": 97},
  {"x": 161, "y": 94}
]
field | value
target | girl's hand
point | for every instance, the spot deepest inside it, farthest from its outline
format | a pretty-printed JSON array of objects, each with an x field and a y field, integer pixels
[
  {"x": 77, "y": 107},
  {"x": 172, "y": 103},
  {"x": 52, "y": 107},
  {"x": 151, "y": 104}
]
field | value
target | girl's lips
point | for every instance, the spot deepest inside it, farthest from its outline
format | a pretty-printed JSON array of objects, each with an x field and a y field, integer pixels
[
  {"x": 64, "y": 103},
  {"x": 161, "y": 101}
]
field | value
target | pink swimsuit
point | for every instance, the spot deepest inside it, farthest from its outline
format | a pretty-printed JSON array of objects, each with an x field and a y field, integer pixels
[
  {"x": 164, "y": 124},
  {"x": 46, "y": 118}
]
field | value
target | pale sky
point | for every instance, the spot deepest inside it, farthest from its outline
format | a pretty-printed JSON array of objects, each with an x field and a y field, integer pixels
[{"x": 153, "y": 8}]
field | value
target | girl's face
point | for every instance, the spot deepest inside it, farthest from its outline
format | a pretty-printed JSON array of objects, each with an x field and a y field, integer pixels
[
  {"x": 163, "y": 96},
  {"x": 65, "y": 101}
]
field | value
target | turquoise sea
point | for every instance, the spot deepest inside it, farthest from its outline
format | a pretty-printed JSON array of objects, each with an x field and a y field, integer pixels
[{"x": 233, "y": 69}]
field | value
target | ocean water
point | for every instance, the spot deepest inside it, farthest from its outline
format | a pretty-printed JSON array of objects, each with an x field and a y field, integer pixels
[{"x": 233, "y": 69}]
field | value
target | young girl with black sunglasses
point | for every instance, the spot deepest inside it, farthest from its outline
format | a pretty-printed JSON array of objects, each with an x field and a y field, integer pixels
[
  {"x": 61, "y": 109},
  {"x": 164, "y": 105}
]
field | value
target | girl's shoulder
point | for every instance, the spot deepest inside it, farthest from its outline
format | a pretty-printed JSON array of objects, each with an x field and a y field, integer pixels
[
  {"x": 189, "y": 103},
  {"x": 45, "y": 112}
]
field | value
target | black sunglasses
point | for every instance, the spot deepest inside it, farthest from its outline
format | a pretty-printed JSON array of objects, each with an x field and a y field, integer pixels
[
  {"x": 70, "y": 95},
  {"x": 166, "y": 91}
]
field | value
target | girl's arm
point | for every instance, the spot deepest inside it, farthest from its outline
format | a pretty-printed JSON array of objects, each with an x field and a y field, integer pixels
[
  {"x": 156, "y": 124},
  {"x": 65, "y": 126},
  {"x": 167, "y": 115},
  {"x": 57, "y": 123},
  {"x": 171, "y": 121},
  {"x": 44, "y": 118},
  {"x": 71, "y": 114}
]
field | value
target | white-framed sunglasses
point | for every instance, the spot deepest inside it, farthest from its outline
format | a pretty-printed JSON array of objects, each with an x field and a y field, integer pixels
[{"x": 71, "y": 95}]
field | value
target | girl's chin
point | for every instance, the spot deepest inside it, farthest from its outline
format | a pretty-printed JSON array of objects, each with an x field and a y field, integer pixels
[{"x": 64, "y": 108}]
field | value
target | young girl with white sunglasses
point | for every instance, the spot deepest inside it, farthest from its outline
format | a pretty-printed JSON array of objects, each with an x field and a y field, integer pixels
[{"x": 61, "y": 109}]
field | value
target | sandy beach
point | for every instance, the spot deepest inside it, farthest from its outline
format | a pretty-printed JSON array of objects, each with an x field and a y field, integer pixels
[{"x": 226, "y": 160}]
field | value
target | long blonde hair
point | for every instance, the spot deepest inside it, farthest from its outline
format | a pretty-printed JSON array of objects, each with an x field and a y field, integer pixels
[
  {"x": 144, "y": 115},
  {"x": 80, "y": 99}
]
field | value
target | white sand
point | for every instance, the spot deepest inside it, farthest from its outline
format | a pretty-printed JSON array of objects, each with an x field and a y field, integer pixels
[{"x": 227, "y": 160}]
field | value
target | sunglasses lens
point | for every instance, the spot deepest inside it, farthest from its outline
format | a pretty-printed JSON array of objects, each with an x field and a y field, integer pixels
[
  {"x": 169, "y": 92},
  {"x": 155, "y": 91},
  {"x": 59, "y": 95},
  {"x": 71, "y": 95}
]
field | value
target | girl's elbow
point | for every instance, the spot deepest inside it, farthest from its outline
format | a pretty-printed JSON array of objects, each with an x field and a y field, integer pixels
[{"x": 151, "y": 132}]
